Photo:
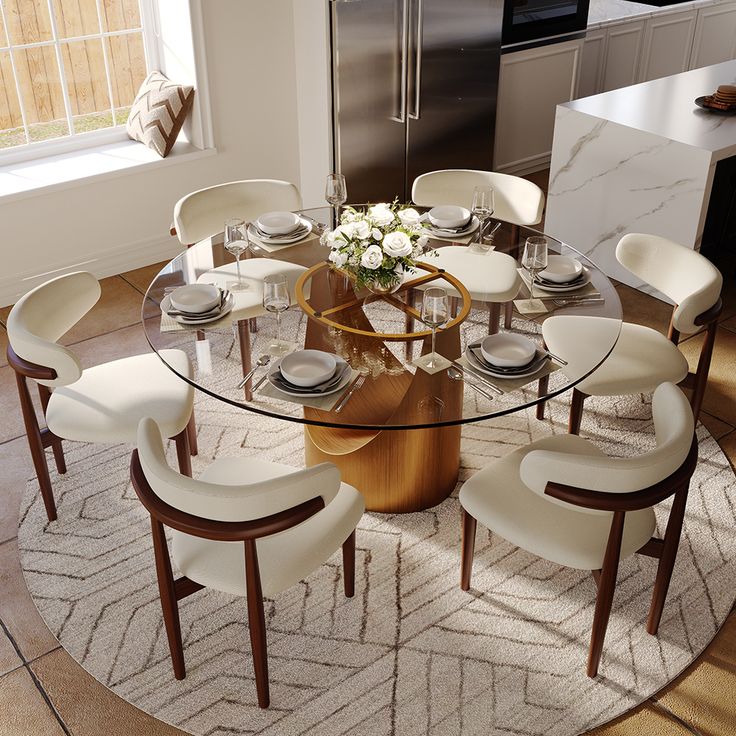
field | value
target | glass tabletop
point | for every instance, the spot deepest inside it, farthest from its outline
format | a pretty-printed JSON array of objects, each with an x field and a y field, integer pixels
[{"x": 376, "y": 338}]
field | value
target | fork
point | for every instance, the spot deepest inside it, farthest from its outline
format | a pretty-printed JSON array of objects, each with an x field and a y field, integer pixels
[{"x": 344, "y": 400}]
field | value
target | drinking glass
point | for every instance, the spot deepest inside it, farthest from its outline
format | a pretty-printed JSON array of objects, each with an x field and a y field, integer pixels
[
  {"x": 236, "y": 242},
  {"x": 435, "y": 312},
  {"x": 534, "y": 259},
  {"x": 276, "y": 300},
  {"x": 483, "y": 207},
  {"x": 336, "y": 193}
]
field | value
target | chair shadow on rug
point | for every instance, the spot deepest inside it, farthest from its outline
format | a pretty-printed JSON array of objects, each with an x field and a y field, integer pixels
[{"x": 294, "y": 521}]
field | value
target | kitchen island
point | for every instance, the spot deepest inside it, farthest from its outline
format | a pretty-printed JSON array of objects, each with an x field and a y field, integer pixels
[{"x": 638, "y": 159}]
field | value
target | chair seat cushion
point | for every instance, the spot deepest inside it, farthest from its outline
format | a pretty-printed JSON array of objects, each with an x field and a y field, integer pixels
[
  {"x": 284, "y": 558},
  {"x": 501, "y": 502},
  {"x": 108, "y": 401},
  {"x": 488, "y": 277}
]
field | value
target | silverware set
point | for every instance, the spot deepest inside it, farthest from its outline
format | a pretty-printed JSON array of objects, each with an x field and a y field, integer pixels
[{"x": 359, "y": 381}]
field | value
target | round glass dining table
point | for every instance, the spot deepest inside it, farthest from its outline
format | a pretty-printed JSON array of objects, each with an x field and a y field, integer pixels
[{"x": 392, "y": 428}]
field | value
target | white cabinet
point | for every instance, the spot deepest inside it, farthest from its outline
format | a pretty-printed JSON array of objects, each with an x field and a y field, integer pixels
[
  {"x": 624, "y": 44},
  {"x": 531, "y": 84},
  {"x": 715, "y": 36},
  {"x": 592, "y": 62},
  {"x": 667, "y": 44}
]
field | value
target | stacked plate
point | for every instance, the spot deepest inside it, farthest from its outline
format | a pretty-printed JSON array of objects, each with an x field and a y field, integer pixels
[
  {"x": 279, "y": 228},
  {"x": 562, "y": 274},
  {"x": 448, "y": 221},
  {"x": 196, "y": 304},
  {"x": 506, "y": 355},
  {"x": 310, "y": 373}
]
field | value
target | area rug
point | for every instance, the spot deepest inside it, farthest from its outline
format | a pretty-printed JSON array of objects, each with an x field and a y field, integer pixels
[{"x": 411, "y": 653}]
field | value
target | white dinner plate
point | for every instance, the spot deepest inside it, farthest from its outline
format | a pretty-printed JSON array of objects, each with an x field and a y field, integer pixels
[
  {"x": 226, "y": 308},
  {"x": 561, "y": 270},
  {"x": 477, "y": 365},
  {"x": 341, "y": 384},
  {"x": 564, "y": 288},
  {"x": 281, "y": 239},
  {"x": 444, "y": 234}
]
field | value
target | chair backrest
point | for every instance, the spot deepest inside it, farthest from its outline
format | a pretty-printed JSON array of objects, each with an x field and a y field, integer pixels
[
  {"x": 674, "y": 427},
  {"x": 44, "y": 314},
  {"x": 202, "y": 214},
  {"x": 517, "y": 200},
  {"x": 682, "y": 274},
  {"x": 247, "y": 501}
]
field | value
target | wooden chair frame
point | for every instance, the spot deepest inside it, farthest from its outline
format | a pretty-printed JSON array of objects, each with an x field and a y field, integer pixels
[
  {"x": 677, "y": 485},
  {"x": 172, "y": 591},
  {"x": 40, "y": 438}
]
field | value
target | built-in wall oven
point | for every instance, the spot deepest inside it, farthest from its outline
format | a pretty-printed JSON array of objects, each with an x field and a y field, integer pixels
[{"x": 528, "y": 20}]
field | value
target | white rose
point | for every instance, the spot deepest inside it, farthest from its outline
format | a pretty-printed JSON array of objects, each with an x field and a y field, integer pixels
[
  {"x": 381, "y": 215},
  {"x": 334, "y": 235},
  {"x": 338, "y": 258},
  {"x": 397, "y": 244},
  {"x": 362, "y": 229},
  {"x": 377, "y": 235},
  {"x": 346, "y": 230},
  {"x": 409, "y": 217},
  {"x": 372, "y": 258}
]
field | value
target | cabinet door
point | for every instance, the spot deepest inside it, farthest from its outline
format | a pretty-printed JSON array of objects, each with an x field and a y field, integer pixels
[
  {"x": 591, "y": 63},
  {"x": 667, "y": 45},
  {"x": 623, "y": 49},
  {"x": 532, "y": 83},
  {"x": 715, "y": 36}
]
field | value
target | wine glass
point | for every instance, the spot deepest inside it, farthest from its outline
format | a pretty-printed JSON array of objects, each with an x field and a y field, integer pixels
[
  {"x": 534, "y": 258},
  {"x": 276, "y": 300},
  {"x": 236, "y": 242},
  {"x": 483, "y": 207},
  {"x": 435, "y": 312},
  {"x": 336, "y": 193}
]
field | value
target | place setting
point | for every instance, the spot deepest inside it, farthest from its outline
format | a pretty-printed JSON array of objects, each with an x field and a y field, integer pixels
[
  {"x": 273, "y": 231},
  {"x": 194, "y": 305},
  {"x": 450, "y": 222}
]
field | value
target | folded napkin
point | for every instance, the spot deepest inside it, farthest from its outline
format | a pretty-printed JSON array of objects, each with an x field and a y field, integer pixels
[{"x": 325, "y": 403}]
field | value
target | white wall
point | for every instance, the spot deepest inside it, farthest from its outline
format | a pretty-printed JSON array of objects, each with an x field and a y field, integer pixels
[{"x": 252, "y": 83}]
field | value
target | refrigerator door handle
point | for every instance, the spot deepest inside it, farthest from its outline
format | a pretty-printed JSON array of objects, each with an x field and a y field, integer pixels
[
  {"x": 402, "y": 43},
  {"x": 419, "y": 42}
]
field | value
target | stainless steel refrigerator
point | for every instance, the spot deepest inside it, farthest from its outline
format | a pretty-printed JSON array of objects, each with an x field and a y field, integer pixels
[{"x": 414, "y": 86}]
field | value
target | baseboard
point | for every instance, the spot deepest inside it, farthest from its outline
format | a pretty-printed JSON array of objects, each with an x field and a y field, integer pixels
[
  {"x": 108, "y": 263},
  {"x": 527, "y": 165}
]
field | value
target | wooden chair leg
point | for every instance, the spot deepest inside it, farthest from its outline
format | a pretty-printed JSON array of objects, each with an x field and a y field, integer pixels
[
  {"x": 576, "y": 411},
  {"x": 253, "y": 325},
  {"x": 542, "y": 388},
  {"x": 167, "y": 593},
  {"x": 667, "y": 560},
  {"x": 192, "y": 435},
  {"x": 494, "y": 315},
  {"x": 508, "y": 314},
  {"x": 515, "y": 245},
  {"x": 606, "y": 588},
  {"x": 409, "y": 324},
  {"x": 256, "y": 622},
  {"x": 45, "y": 394},
  {"x": 183, "y": 453},
  {"x": 245, "y": 355},
  {"x": 348, "y": 565},
  {"x": 469, "y": 524},
  {"x": 35, "y": 444},
  {"x": 701, "y": 374}
]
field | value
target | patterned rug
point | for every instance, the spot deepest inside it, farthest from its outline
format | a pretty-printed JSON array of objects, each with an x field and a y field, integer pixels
[{"x": 411, "y": 653}]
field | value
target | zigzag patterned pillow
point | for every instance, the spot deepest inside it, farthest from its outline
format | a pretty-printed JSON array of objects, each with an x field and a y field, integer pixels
[{"x": 158, "y": 112}]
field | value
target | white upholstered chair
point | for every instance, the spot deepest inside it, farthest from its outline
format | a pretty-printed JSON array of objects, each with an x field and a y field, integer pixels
[
  {"x": 563, "y": 499},
  {"x": 247, "y": 527},
  {"x": 517, "y": 201},
  {"x": 202, "y": 214},
  {"x": 99, "y": 404},
  {"x": 643, "y": 358}
]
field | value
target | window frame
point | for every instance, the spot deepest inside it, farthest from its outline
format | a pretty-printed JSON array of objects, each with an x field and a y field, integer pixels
[{"x": 38, "y": 150}]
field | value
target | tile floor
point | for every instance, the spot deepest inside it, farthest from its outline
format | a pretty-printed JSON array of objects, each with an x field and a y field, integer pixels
[{"x": 44, "y": 691}]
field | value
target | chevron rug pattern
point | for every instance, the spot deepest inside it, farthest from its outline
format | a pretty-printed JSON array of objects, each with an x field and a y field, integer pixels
[{"x": 411, "y": 653}]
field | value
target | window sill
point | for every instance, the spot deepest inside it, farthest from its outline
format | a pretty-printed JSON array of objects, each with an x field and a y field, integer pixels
[{"x": 41, "y": 176}]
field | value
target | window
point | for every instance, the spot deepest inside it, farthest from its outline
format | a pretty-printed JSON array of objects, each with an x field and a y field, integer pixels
[{"x": 69, "y": 68}]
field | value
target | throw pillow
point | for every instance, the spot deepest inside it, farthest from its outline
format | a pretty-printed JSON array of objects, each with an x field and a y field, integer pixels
[{"x": 158, "y": 112}]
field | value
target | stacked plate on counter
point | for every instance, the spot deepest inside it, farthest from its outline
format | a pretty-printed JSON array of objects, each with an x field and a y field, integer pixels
[
  {"x": 506, "y": 355},
  {"x": 310, "y": 373},
  {"x": 196, "y": 304},
  {"x": 562, "y": 274},
  {"x": 279, "y": 228},
  {"x": 450, "y": 221}
]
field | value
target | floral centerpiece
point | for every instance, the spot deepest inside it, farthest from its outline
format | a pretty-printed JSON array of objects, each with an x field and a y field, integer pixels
[{"x": 377, "y": 246}]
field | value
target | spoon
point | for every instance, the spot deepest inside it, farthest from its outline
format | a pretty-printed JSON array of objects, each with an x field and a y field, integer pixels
[
  {"x": 457, "y": 375},
  {"x": 263, "y": 360}
]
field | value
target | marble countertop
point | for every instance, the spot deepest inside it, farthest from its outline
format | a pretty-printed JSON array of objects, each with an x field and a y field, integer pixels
[
  {"x": 605, "y": 12},
  {"x": 665, "y": 108}
]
